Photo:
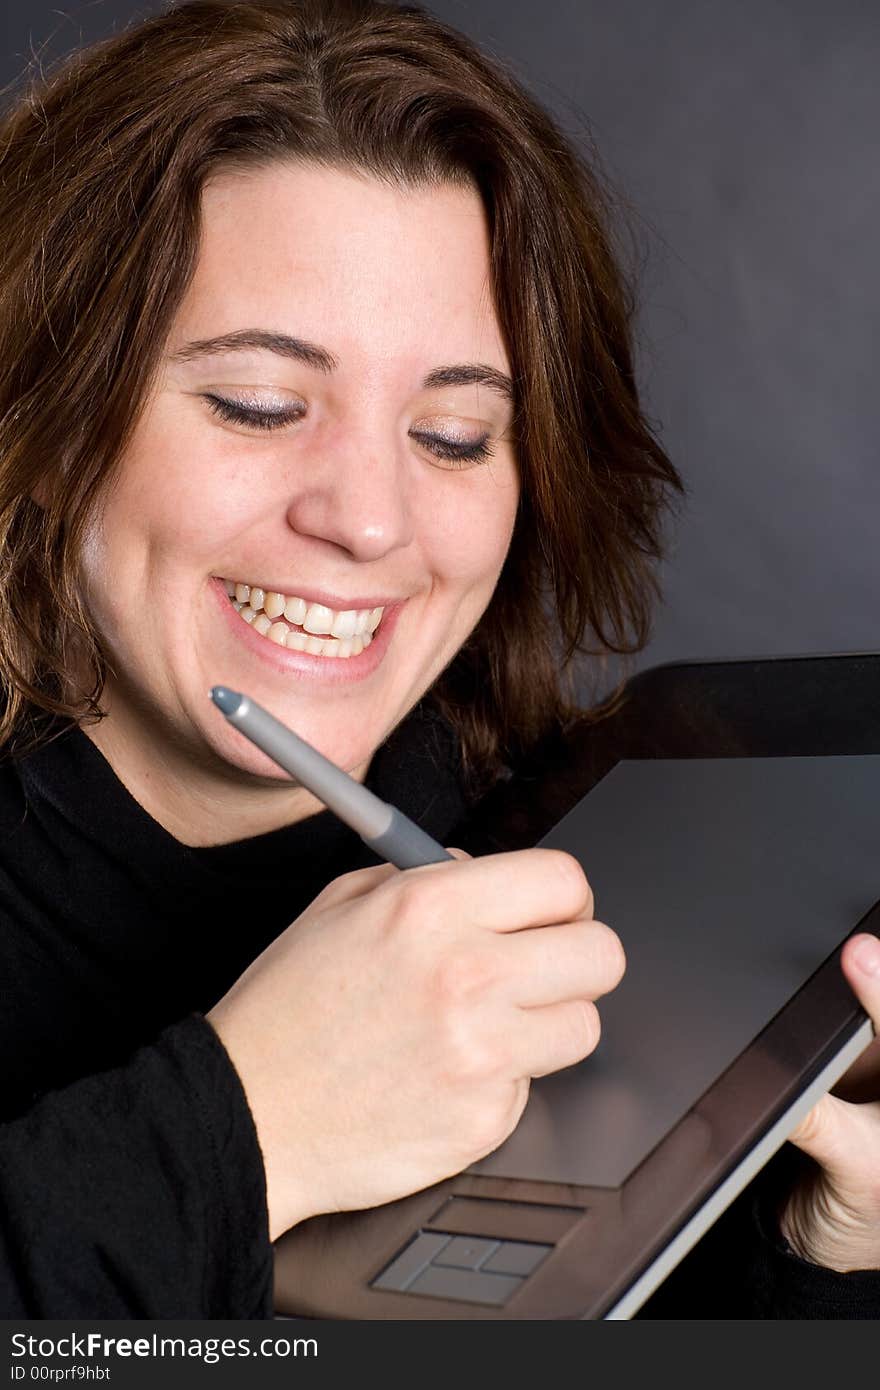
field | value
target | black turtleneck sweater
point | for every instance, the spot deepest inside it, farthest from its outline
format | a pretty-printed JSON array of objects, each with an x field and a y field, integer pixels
[{"x": 131, "y": 1183}]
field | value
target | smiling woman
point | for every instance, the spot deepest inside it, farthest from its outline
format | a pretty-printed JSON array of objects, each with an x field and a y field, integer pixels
[
  {"x": 360, "y": 496},
  {"x": 208, "y": 153},
  {"x": 316, "y": 382}
]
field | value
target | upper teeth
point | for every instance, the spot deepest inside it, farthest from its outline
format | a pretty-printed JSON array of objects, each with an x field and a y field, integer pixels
[{"x": 311, "y": 617}]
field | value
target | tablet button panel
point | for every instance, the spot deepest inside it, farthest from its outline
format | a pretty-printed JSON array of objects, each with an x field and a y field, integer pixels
[
  {"x": 516, "y": 1257},
  {"x": 410, "y": 1262},
  {"x": 471, "y": 1269},
  {"x": 465, "y": 1285},
  {"x": 465, "y": 1253}
]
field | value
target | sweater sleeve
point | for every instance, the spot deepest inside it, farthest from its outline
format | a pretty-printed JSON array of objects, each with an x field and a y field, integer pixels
[{"x": 138, "y": 1192}]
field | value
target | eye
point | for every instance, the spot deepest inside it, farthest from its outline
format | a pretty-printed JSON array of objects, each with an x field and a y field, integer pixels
[
  {"x": 255, "y": 416},
  {"x": 455, "y": 451}
]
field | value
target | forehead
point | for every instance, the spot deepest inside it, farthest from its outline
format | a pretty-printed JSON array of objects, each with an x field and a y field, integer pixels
[{"x": 346, "y": 260}]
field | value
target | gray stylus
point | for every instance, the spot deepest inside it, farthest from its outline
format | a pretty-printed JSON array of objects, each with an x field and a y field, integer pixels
[{"x": 387, "y": 831}]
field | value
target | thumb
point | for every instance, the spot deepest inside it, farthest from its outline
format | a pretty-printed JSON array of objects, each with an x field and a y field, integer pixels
[
  {"x": 458, "y": 853},
  {"x": 827, "y": 1132},
  {"x": 860, "y": 960},
  {"x": 824, "y": 1134}
]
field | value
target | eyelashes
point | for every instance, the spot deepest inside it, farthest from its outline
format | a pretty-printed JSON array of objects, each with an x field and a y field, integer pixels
[
  {"x": 450, "y": 450},
  {"x": 454, "y": 451},
  {"x": 253, "y": 415}
]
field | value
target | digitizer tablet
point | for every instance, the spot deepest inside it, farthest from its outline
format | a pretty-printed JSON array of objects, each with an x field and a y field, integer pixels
[{"x": 732, "y": 883}]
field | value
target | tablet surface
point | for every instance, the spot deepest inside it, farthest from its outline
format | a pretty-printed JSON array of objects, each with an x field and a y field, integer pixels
[
  {"x": 756, "y": 868},
  {"x": 729, "y": 882}
]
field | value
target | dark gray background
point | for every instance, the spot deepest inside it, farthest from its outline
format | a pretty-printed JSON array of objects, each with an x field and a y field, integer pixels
[{"x": 745, "y": 135}]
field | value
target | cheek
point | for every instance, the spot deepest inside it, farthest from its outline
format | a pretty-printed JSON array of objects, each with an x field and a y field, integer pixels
[
  {"x": 470, "y": 541},
  {"x": 178, "y": 497}
]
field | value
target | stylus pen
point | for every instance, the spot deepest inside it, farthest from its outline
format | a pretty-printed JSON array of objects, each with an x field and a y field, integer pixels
[{"x": 387, "y": 831}]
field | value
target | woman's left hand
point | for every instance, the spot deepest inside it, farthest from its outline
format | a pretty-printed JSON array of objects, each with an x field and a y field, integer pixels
[{"x": 833, "y": 1217}]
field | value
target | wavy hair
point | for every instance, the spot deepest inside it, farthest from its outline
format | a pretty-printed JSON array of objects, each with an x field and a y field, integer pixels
[{"x": 101, "y": 171}]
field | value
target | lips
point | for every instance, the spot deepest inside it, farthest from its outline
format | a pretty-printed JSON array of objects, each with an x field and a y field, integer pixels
[
  {"x": 288, "y": 654},
  {"x": 312, "y": 616}
]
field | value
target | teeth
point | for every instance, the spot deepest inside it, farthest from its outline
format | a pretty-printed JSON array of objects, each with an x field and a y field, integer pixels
[
  {"x": 345, "y": 624},
  {"x": 315, "y": 645},
  {"x": 295, "y": 610},
  {"x": 324, "y": 632},
  {"x": 318, "y": 620}
]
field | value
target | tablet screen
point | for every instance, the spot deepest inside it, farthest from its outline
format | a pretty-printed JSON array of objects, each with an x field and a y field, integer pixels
[{"x": 729, "y": 882}]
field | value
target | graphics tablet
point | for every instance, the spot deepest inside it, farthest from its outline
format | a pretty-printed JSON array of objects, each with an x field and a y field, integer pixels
[{"x": 732, "y": 883}]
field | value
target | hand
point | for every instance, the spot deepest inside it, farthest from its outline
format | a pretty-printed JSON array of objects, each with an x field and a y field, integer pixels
[
  {"x": 387, "y": 1038},
  {"x": 833, "y": 1217}
]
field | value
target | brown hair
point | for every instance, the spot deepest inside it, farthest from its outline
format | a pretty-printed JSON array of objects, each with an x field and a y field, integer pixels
[{"x": 101, "y": 168}]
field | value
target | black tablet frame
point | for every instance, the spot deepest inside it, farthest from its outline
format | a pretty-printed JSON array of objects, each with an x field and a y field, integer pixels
[{"x": 611, "y": 1247}]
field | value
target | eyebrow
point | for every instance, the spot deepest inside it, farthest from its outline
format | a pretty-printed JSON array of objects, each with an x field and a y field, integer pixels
[{"x": 264, "y": 340}]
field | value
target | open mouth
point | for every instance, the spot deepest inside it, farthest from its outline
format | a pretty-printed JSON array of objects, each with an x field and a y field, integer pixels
[{"x": 292, "y": 622}]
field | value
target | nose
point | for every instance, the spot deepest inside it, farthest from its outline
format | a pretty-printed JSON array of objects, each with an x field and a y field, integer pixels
[{"x": 353, "y": 491}]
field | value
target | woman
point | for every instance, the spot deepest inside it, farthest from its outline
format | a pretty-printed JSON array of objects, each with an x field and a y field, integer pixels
[{"x": 316, "y": 375}]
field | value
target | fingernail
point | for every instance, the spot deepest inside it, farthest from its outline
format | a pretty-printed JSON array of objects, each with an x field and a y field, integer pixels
[{"x": 867, "y": 955}]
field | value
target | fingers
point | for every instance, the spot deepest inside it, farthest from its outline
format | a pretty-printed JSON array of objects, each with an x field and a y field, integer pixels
[
  {"x": 520, "y": 888},
  {"x": 500, "y": 892},
  {"x": 557, "y": 1036},
  {"x": 355, "y": 884},
  {"x": 836, "y": 1132},
  {"x": 862, "y": 1080},
  {"x": 549, "y": 965},
  {"x": 360, "y": 881},
  {"x": 860, "y": 961},
  {"x": 815, "y": 1135},
  {"x": 844, "y": 1139}
]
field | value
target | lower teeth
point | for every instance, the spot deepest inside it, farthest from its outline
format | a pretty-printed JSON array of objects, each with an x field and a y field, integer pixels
[{"x": 295, "y": 639}]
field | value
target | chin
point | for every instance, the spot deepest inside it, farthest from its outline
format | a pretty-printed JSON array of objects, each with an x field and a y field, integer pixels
[{"x": 233, "y": 748}]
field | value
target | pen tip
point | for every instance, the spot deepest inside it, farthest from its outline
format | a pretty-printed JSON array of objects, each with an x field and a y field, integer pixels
[{"x": 226, "y": 700}]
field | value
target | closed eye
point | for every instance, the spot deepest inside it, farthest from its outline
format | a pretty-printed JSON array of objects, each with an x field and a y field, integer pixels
[
  {"x": 256, "y": 417},
  {"x": 455, "y": 451}
]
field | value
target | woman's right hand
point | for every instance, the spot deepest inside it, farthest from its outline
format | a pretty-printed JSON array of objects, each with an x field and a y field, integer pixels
[{"x": 387, "y": 1038}]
